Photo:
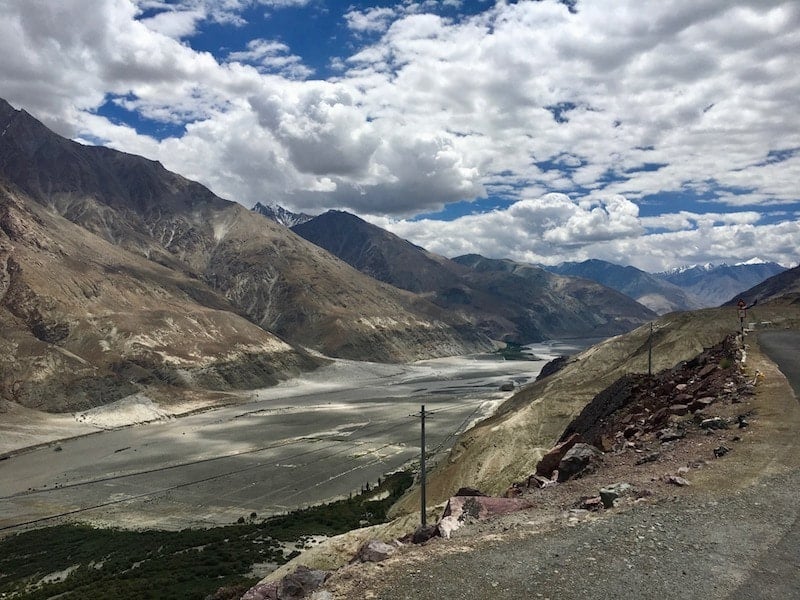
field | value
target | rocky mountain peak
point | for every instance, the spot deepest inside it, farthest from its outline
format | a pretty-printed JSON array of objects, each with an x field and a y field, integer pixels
[{"x": 280, "y": 215}]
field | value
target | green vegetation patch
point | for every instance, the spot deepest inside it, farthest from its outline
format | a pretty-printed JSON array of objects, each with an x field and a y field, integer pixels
[
  {"x": 514, "y": 351},
  {"x": 81, "y": 562}
]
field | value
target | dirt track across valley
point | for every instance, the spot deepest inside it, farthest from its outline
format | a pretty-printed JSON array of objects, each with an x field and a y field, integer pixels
[{"x": 732, "y": 534}]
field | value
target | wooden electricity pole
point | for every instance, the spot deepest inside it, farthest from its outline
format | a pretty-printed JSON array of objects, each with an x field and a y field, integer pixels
[{"x": 422, "y": 500}]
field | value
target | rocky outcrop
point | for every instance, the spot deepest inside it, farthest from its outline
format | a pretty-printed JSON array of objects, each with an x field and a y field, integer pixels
[
  {"x": 464, "y": 509},
  {"x": 578, "y": 460},
  {"x": 296, "y": 585}
]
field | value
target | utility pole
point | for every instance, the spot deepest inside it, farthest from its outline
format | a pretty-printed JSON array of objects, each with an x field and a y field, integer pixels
[
  {"x": 650, "y": 351},
  {"x": 422, "y": 500}
]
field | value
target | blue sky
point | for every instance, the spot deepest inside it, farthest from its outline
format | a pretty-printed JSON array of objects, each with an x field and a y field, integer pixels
[{"x": 636, "y": 131}]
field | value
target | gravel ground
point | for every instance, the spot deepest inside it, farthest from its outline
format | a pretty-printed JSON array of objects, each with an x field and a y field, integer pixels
[
  {"x": 734, "y": 534},
  {"x": 676, "y": 549}
]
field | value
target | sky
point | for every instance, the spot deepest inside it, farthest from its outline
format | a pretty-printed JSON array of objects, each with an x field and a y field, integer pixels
[{"x": 642, "y": 132}]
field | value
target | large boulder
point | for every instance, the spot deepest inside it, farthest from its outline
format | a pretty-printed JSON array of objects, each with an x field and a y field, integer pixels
[
  {"x": 550, "y": 461},
  {"x": 577, "y": 461},
  {"x": 461, "y": 509},
  {"x": 296, "y": 585},
  {"x": 374, "y": 551},
  {"x": 300, "y": 583}
]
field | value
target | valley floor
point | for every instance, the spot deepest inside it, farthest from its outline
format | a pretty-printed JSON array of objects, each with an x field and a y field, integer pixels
[{"x": 306, "y": 441}]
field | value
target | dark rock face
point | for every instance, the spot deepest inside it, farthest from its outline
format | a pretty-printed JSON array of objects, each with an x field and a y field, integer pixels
[
  {"x": 590, "y": 421},
  {"x": 578, "y": 460},
  {"x": 423, "y": 533},
  {"x": 468, "y": 491},
  {"x": 552, "y": 367}
]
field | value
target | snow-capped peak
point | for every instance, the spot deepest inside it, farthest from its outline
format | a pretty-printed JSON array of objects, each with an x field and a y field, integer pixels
[{"x": 753, "y": 261}]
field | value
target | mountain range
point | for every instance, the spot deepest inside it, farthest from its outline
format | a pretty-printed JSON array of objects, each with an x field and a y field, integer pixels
[
  {"x": 716, "y": 284},
  {"x": 386, "y": 257},
  {"x": 654, "y": 292},
  {"x": 118, "y": 276},
  {"x": 505, "y": 300}
]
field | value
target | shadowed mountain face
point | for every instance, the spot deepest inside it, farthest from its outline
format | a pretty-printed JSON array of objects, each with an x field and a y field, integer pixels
[
  {"x": 784, "y": 286},
  {"x": 263, "y": 271},
  {"x": 505, "y": 300},
  {"x": 555, "y": 304},
  {"x": 655, "y": 293},
  {"x": 381, "y": 254}
]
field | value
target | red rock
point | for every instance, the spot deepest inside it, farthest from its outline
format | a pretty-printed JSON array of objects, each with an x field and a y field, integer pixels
[
  {"x": 482, "y": 507},
  {"x": 461, "y": 508},
  {"x": 550, "y": 460},
  {"x": 374, "y": 551}
]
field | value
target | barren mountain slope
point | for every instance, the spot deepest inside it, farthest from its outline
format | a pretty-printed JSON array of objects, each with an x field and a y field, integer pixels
[
  {"x": 86, "y": 323},
  {"x": 558, "y": 306},
  {"x": 277, "y": 279},
  {"x": 505, "y": 303}
]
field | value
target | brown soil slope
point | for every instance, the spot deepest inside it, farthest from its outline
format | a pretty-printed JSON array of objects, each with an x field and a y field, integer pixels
[{"x": 85, "y": 322}]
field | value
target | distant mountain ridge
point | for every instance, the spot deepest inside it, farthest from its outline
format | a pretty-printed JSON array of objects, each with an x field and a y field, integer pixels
[
  {"x": 715, "y": 284},
  {"x": 683, "y": 288},
  {"x": 785, "y": 286},
  {"x": 520, "y": 304},
  {"x": 281, "y": 215},
  {"x": 655, "y": 293}
]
